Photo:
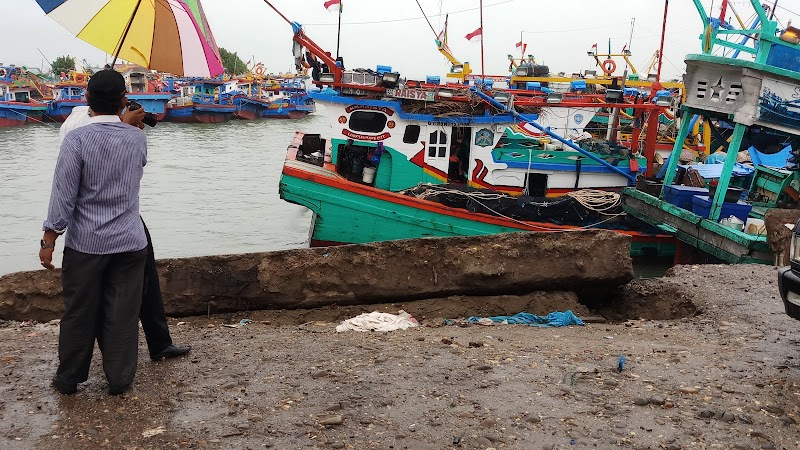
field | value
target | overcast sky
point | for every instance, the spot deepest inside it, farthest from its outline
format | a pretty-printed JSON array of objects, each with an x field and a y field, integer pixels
[{"x": 392, "y": 32}]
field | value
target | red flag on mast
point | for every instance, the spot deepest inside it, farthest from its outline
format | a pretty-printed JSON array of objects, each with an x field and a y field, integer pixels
[
  {"x": 333, "y": 5},
  {"x": 475, "y": 36}
]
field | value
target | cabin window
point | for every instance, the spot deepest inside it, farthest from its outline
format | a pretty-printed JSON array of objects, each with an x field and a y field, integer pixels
[
  {"x": 437, "y": 146},
  {"x": 367, "y": 121},
  {"x": 411, "y": 136}
]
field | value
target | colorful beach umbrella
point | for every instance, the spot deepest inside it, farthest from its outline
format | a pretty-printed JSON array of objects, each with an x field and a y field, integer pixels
[{"x": 165, "y": 35}]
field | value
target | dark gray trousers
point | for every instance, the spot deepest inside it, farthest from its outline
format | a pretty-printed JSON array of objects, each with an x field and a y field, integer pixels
[
  {"x": 102, "y": 298},
  {"x": 154, "y": 321}
]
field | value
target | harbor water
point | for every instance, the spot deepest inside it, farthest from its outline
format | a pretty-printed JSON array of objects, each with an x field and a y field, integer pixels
[{"x": 207, "y": 189}]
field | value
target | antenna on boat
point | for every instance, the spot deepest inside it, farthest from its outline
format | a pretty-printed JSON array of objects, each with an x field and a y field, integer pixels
[{"x": 630, "y": 40}]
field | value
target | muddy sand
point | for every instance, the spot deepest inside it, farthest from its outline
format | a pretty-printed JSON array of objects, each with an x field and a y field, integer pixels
[{"x": 710, "y": 362}]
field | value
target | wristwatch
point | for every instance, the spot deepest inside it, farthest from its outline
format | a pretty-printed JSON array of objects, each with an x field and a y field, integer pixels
[{"x": 46, "y": 245}]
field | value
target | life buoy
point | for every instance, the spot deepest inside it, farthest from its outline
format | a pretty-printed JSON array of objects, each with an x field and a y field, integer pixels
[
  {"x": 3, "y": 73},
  {"x": 609, "y": 66},
  {"x": 260, "y": 70},
  {"x": 80, "y": 78}
]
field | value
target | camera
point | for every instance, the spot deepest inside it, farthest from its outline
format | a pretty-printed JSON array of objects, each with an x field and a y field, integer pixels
[{"x": 149, "y": 118}]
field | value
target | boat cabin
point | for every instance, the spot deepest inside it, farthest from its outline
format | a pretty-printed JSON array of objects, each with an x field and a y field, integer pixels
[
  {"x": 69, "y": 92},
  {"x": 207, "y": 91},
  {"x": 135, "y": 77}
]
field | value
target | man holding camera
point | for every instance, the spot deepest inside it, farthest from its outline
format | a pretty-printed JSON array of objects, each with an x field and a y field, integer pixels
[
  {"x": 152, "y": 315},
  {"x": 95, "y": 199}
]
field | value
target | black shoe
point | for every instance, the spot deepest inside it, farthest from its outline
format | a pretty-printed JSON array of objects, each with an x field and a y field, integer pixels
[
  {"x": 65, "y": 388},
  {"x": 118, "y": 390},
  {"x": 171, "y": 352}
]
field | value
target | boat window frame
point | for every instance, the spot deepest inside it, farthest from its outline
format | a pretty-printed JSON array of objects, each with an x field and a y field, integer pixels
[
  {"x": 356, "y": 123},
  {"x": 437, "y": 148},
  {"x": 407, "y": 134}
]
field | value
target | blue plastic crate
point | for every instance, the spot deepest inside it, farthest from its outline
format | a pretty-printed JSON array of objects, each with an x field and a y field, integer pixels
[
  {"x": 384, "y": 69},
  {"x": 701, "y": 205},
  {"x": 579, "y": 85},
  {"x": 533, "y": 86},
  {"x": 433, "y": 80},
  {"x": 681, "y": 196}
]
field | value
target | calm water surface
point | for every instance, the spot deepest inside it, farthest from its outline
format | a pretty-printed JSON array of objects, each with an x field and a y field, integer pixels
[{"x": 207, "y": 189}]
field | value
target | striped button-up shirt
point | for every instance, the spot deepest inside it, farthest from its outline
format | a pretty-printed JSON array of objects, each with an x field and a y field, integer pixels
[{"x": 95, "y": 196}]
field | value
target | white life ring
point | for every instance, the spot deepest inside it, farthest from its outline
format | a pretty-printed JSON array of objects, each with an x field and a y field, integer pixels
[{"x": 3, "y": 73}]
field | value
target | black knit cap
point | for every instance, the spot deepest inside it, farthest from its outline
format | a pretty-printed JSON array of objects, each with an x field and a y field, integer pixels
[{"x": 106, "y": 89}]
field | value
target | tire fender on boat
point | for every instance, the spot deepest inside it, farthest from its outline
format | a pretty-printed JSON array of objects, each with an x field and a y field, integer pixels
[{"x": 609, "y": 66}]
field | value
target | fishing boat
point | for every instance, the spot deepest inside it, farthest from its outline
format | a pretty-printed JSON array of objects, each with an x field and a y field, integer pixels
[
  {"x": 66, "y": 96},
  {"x": 290, "y": 100},
  {"x": 413, "y": 159},
  {"x": 529, "y": 79},
  {"x": 716, "y": 214},
  {"x": 17, "y": 107},
  {"x": 199, "y": 101},
  {"x": 272, "y": 98}
]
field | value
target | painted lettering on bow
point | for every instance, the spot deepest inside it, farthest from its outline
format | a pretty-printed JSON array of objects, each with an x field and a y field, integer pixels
[{"x": 411, "y": 94}]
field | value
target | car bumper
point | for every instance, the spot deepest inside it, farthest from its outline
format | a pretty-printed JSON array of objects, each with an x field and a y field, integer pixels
[{"x": 789, "y": 286}]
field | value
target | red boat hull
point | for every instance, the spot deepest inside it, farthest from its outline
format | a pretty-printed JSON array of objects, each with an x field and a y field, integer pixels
[{"x": 11, "y": 122}]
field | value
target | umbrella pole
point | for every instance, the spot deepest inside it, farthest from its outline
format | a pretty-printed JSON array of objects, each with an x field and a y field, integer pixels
[{"x": 125, "y": 34}]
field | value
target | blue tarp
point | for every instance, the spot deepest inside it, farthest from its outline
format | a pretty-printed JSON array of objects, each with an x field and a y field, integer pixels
[
  {"x": 777, "y": 160},
  {"x": 709, "y": 171},
  {"x": 554, "y": 319}
]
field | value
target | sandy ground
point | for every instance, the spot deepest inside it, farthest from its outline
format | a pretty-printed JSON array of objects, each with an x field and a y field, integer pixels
[{"x": 718, "y": 370}]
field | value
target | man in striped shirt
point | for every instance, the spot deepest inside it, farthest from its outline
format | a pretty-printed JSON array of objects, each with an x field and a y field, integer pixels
[
  {"x": 152, "y": 315},
  {"x": 95, "y": 200}
]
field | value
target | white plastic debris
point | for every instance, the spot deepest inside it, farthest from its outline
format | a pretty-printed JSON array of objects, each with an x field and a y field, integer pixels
[
  {"x": 378, "y": 321},
  {"x": 153, "y": 432}
]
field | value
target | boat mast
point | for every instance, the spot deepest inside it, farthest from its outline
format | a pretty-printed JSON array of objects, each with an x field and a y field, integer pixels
[
  {"x": 483, "y": 69},
  {"x": 661, "y": 48},
  {"x": 339, "y": 31}
]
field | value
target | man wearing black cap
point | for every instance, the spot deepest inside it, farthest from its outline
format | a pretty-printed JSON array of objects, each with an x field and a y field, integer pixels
[{"x": 95, "y": 200}]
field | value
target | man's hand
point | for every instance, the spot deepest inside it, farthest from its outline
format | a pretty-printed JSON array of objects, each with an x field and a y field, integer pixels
[
  {"x": 46, "y": 258},
  {"x": 134, "y": 117},
  {"x": 46, "y": 253}
]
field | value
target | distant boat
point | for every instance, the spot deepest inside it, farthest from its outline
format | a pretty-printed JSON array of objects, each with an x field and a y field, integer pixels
[
  {"x": 16, "y": 105},
  {"x": 200, "y": 101},
  {"x": 67, "y": 94},
  {"x": 272, "y": 99},
  {"x": 146, "y": 89}
]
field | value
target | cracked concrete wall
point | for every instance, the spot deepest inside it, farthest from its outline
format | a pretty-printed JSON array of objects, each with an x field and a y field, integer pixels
[{"x": 588, "y": 262}]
